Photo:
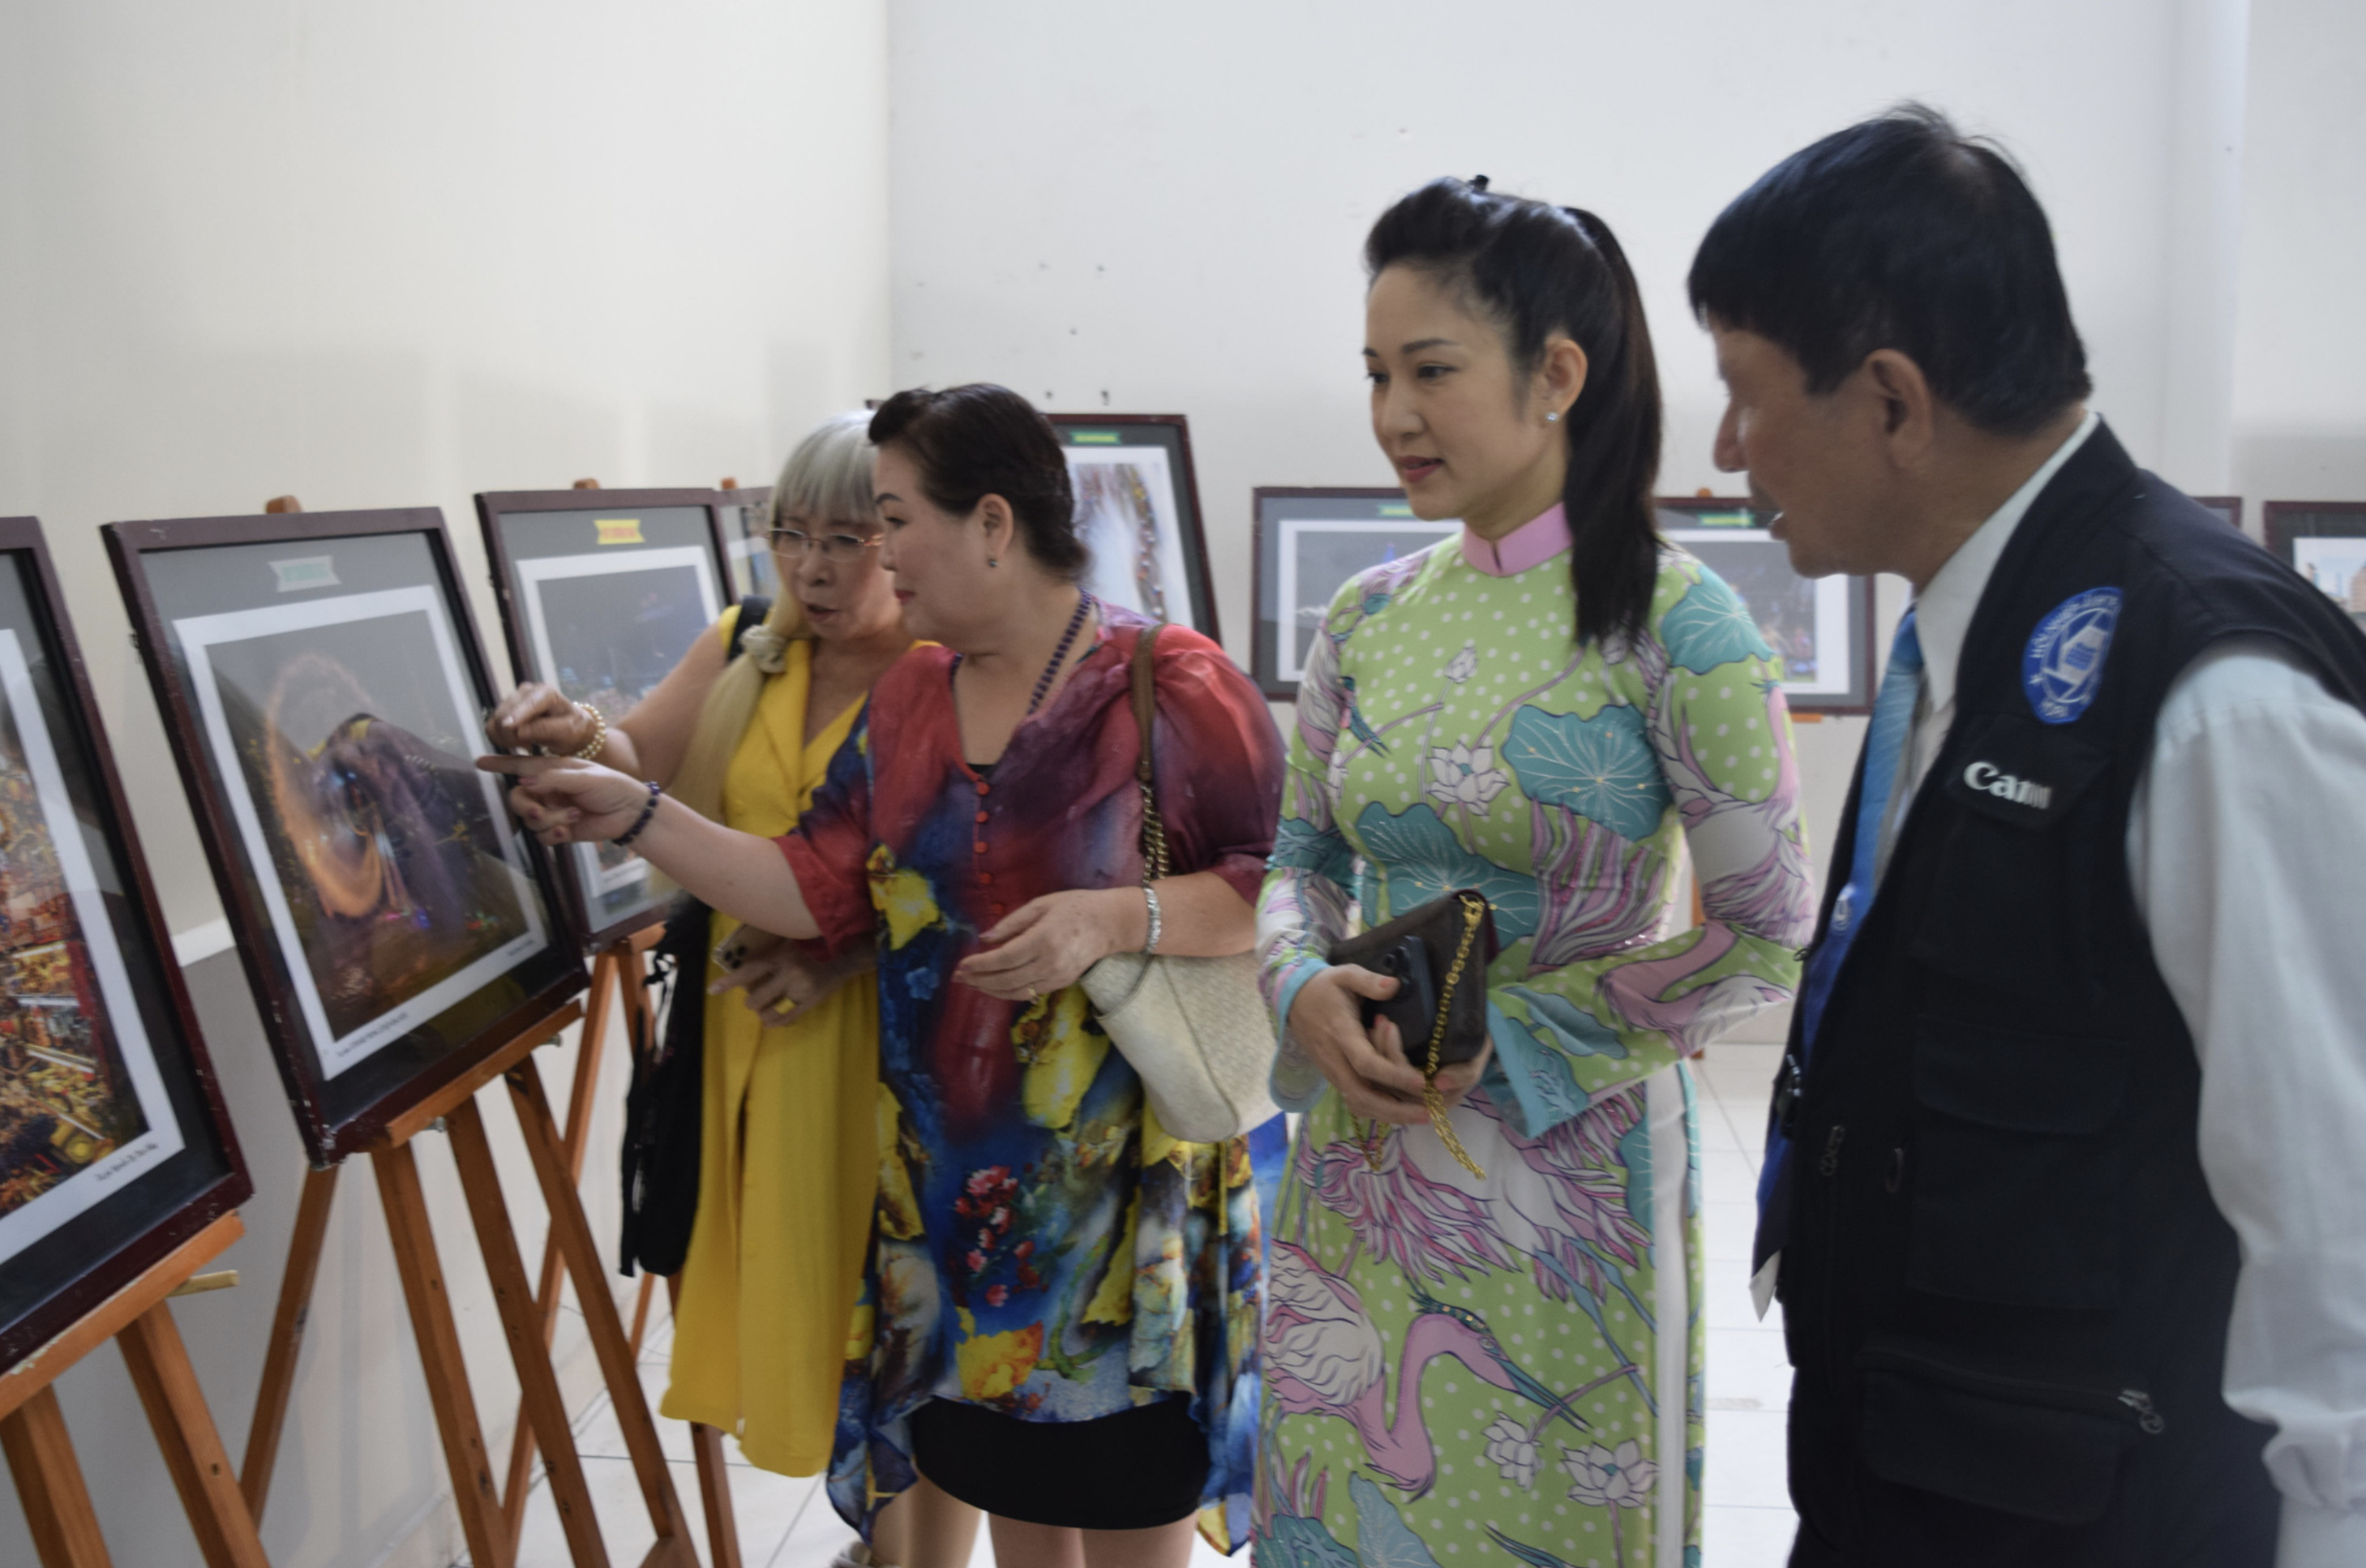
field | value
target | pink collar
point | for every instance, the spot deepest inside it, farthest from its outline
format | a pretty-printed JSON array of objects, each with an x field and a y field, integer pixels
[{"x": 1538, "y": 539}]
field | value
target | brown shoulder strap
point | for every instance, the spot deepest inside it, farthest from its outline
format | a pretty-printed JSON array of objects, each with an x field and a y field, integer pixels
[{"x": 1145, "y": 698}]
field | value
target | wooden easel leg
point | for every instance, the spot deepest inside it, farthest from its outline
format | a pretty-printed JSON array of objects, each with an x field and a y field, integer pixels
[
  {"x": 538, "y": 1385},
  {"x": 193, "y": 1448},
  {"x": 50, "y": 1485},
  {"x": 286, "y": 1338},
  {"x": 649, "y": 1287},
  {"x": 613, "y": 969},
  {"x": 714, "y": 1476},
  {"x": 439, "y": 1353},
  {"x": 599, "y": 1316}
]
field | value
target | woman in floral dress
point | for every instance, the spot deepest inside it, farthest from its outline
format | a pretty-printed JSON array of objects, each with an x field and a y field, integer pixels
[{"x": 1502, "y": 1360}]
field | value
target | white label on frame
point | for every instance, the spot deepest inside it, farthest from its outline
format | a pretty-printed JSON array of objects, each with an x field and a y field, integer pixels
[{"x": 302, "y": 573}]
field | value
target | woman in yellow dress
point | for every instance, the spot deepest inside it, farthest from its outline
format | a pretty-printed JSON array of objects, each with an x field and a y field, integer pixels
[{"x": 789, "y": 1165}]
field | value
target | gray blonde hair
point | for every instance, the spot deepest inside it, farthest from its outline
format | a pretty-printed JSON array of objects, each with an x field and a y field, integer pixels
[{"x": 827, "y": 479}]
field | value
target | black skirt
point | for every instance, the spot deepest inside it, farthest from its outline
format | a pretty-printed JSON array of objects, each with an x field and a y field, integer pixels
[{"x": 1136, "y": 1469}]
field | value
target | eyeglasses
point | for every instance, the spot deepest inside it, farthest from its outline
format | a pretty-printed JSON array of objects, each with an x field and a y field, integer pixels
[{"x": 839, "y": 550}]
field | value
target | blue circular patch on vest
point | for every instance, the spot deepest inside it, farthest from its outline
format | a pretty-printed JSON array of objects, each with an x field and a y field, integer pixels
[{"x": 2063, "y": 666}]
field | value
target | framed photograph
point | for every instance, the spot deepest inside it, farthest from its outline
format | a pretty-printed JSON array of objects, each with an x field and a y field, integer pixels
[
  {"x": 1821, "y": 628},
  {"x": 325, "y": 693},
  {"x": 2229, "y": 507},
  {"x": 1308, "y": 543},
  {"x": 2325, "y": 541},
  {"x": 601, "y": 601},
  {"x": 1138, "y": 509},
  {"x": 115, "y": 1147},
  {"x": 746, "y": 517}
]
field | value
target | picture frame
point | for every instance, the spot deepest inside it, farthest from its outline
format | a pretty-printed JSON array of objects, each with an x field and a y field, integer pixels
[
  {"x": 115, "y": 1148},
  {"x": 1135, "y": 479},
  {"x": 744, "y": 517},
  {"x": 324, "y": 691},
  {"x": 2325, "y": 541},
  {"x": 1821, "y": 628},
  {"x": 601, "y": 594},
  {"x": 1306, "y": 542},
  {"x": 2229, "y": 507}
]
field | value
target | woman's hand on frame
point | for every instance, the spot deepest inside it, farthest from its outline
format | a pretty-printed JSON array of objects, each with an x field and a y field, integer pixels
[
  {"x": 1048, "y": 943},
  {"x": 1367, "y": 1068},
  {"x": 562, "y": 801},
  {"x": 537, "y": 717}
]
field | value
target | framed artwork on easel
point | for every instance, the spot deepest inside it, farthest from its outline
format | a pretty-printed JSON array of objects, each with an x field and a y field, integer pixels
[
  {"x": 746, "y": 516},
  {"x": 1307, "y": 544},
  {"x": 1819, "y": 628},
  {"x": 2325, "y": 541},
  {"x": 601, "y": 592},
  {"x": 324, "y": 692},
  {"x": 1138, "y": 511},
  {"x": 115, "y": 1147}
]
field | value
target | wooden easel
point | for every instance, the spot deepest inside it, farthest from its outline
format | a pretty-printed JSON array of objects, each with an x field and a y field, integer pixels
[
  {"x": 483, "y": 1512},
  {"x": 41, "y": 1452},
  {"x": 618, "y": 993}
]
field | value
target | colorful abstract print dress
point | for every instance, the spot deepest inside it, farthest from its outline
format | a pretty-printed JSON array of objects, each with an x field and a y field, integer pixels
[
  {"x": 1042, "y": 1247},
  {"x": 1508, "y": 1368}
]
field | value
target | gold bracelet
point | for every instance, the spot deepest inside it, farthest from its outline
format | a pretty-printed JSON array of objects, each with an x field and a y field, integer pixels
[{"x": 591, "y": 747}]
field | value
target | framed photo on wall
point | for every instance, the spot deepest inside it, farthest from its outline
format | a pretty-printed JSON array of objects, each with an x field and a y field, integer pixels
[
  {"x": 1138, "y": 509},
  {"x": 115, "y": 1147},
  {"x": 746, "y": 517},
  {"x": 324, "y": 692},
  {"x": 2229, "y": 507},
  {"x": 1308, "y": 543},
  {"x": 601, "y": 592},
  {"x": 1821, "y": 628},
  {"x": 2325, "y": 541}
]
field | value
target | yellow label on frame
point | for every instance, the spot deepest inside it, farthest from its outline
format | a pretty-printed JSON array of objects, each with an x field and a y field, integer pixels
[{"x": 619, "y": 530}]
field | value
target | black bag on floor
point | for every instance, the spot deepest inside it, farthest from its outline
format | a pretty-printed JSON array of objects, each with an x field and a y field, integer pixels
[{"x": 665, "y": 1107}]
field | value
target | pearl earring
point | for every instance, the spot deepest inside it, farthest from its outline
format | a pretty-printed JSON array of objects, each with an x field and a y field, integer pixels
[{"x": 1551, "y": 415}]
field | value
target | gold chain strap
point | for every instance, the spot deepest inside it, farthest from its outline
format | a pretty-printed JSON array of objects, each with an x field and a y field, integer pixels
[{"x": 1473, "y": 911}]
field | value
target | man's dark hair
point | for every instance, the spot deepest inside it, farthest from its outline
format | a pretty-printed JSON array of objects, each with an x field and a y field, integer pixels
[
  {"x": 980, "y": 440},
  {"x": 1901, "y": 233},
  {"x": 1535, "y": 269}
]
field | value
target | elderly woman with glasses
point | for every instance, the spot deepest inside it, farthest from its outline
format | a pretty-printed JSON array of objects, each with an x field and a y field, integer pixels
[{"x": 790, "y": 1161}]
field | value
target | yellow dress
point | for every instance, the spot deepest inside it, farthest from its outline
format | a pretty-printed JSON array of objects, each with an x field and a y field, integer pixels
[{"x": 789, "y": 1160}]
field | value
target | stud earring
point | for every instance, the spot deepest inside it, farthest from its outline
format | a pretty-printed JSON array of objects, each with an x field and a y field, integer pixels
[
  {"x": 1551, "y": 415},
  {"x": 991, "y": 561}
]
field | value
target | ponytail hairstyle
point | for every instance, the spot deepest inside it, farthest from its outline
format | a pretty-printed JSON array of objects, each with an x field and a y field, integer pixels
[
  {"x": 826, "y": 479},
  {"x": 1536, "y": 270}
]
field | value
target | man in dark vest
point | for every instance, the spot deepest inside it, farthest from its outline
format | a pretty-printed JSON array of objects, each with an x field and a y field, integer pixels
[{"x": 2065, "y": 1196}]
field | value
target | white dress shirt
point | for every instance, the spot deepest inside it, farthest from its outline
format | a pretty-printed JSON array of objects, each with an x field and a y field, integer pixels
[{"x": 2247, "y": 846}]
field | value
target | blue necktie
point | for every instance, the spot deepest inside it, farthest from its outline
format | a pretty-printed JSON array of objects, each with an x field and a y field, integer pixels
[{"x": 1885, "y": 747}]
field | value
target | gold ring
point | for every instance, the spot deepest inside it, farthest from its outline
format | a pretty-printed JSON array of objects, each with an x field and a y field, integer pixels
[{"x": 1032, "y": 995}]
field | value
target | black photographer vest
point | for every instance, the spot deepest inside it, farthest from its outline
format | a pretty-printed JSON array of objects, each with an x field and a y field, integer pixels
[{"x": 2006, "y": 1288}]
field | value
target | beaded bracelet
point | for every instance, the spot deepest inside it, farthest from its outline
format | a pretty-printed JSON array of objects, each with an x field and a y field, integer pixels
[
  {"x": 591, "y": 747},
  {"x": 629, "y": 834}
]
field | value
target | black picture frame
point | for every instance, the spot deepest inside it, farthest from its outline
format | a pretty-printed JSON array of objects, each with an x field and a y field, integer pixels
[
  {"x": 1805, "y": 620},
  {"x": 394, "y": 923},
  {"x": 602, "y": 591},
  {"x": 1116, "y": 462},
  {"x": 96, "y": 1031},
  {"x": 2325, "y": 541},
  {"x": 745, "y": 519},
  {"x": 1306, "y": 542}
]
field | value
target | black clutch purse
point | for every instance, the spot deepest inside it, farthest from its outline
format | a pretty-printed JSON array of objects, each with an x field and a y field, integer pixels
[{"x": 1438, "y": 955}]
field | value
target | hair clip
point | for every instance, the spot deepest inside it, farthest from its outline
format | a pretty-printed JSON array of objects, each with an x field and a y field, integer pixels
[{"x": 1479, "y": 183}]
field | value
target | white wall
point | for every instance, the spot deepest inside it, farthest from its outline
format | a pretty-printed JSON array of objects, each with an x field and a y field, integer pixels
[
  {"x": 2299, "y": 412},
  {"x": 1156, "y": 211},
  {"x": 388, "y": 256}
]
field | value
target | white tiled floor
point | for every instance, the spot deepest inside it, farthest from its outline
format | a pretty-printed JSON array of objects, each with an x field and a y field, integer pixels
[{"x": 788, "y": 1524}]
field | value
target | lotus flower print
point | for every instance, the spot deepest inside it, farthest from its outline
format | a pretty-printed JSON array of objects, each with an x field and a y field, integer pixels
[
  {"x": 1466, "y": 775},
  {"x": 1464, "y": 665},
  {"x": 1511, "y": 1451},
  {"x": 1605, "y": 1479}
]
